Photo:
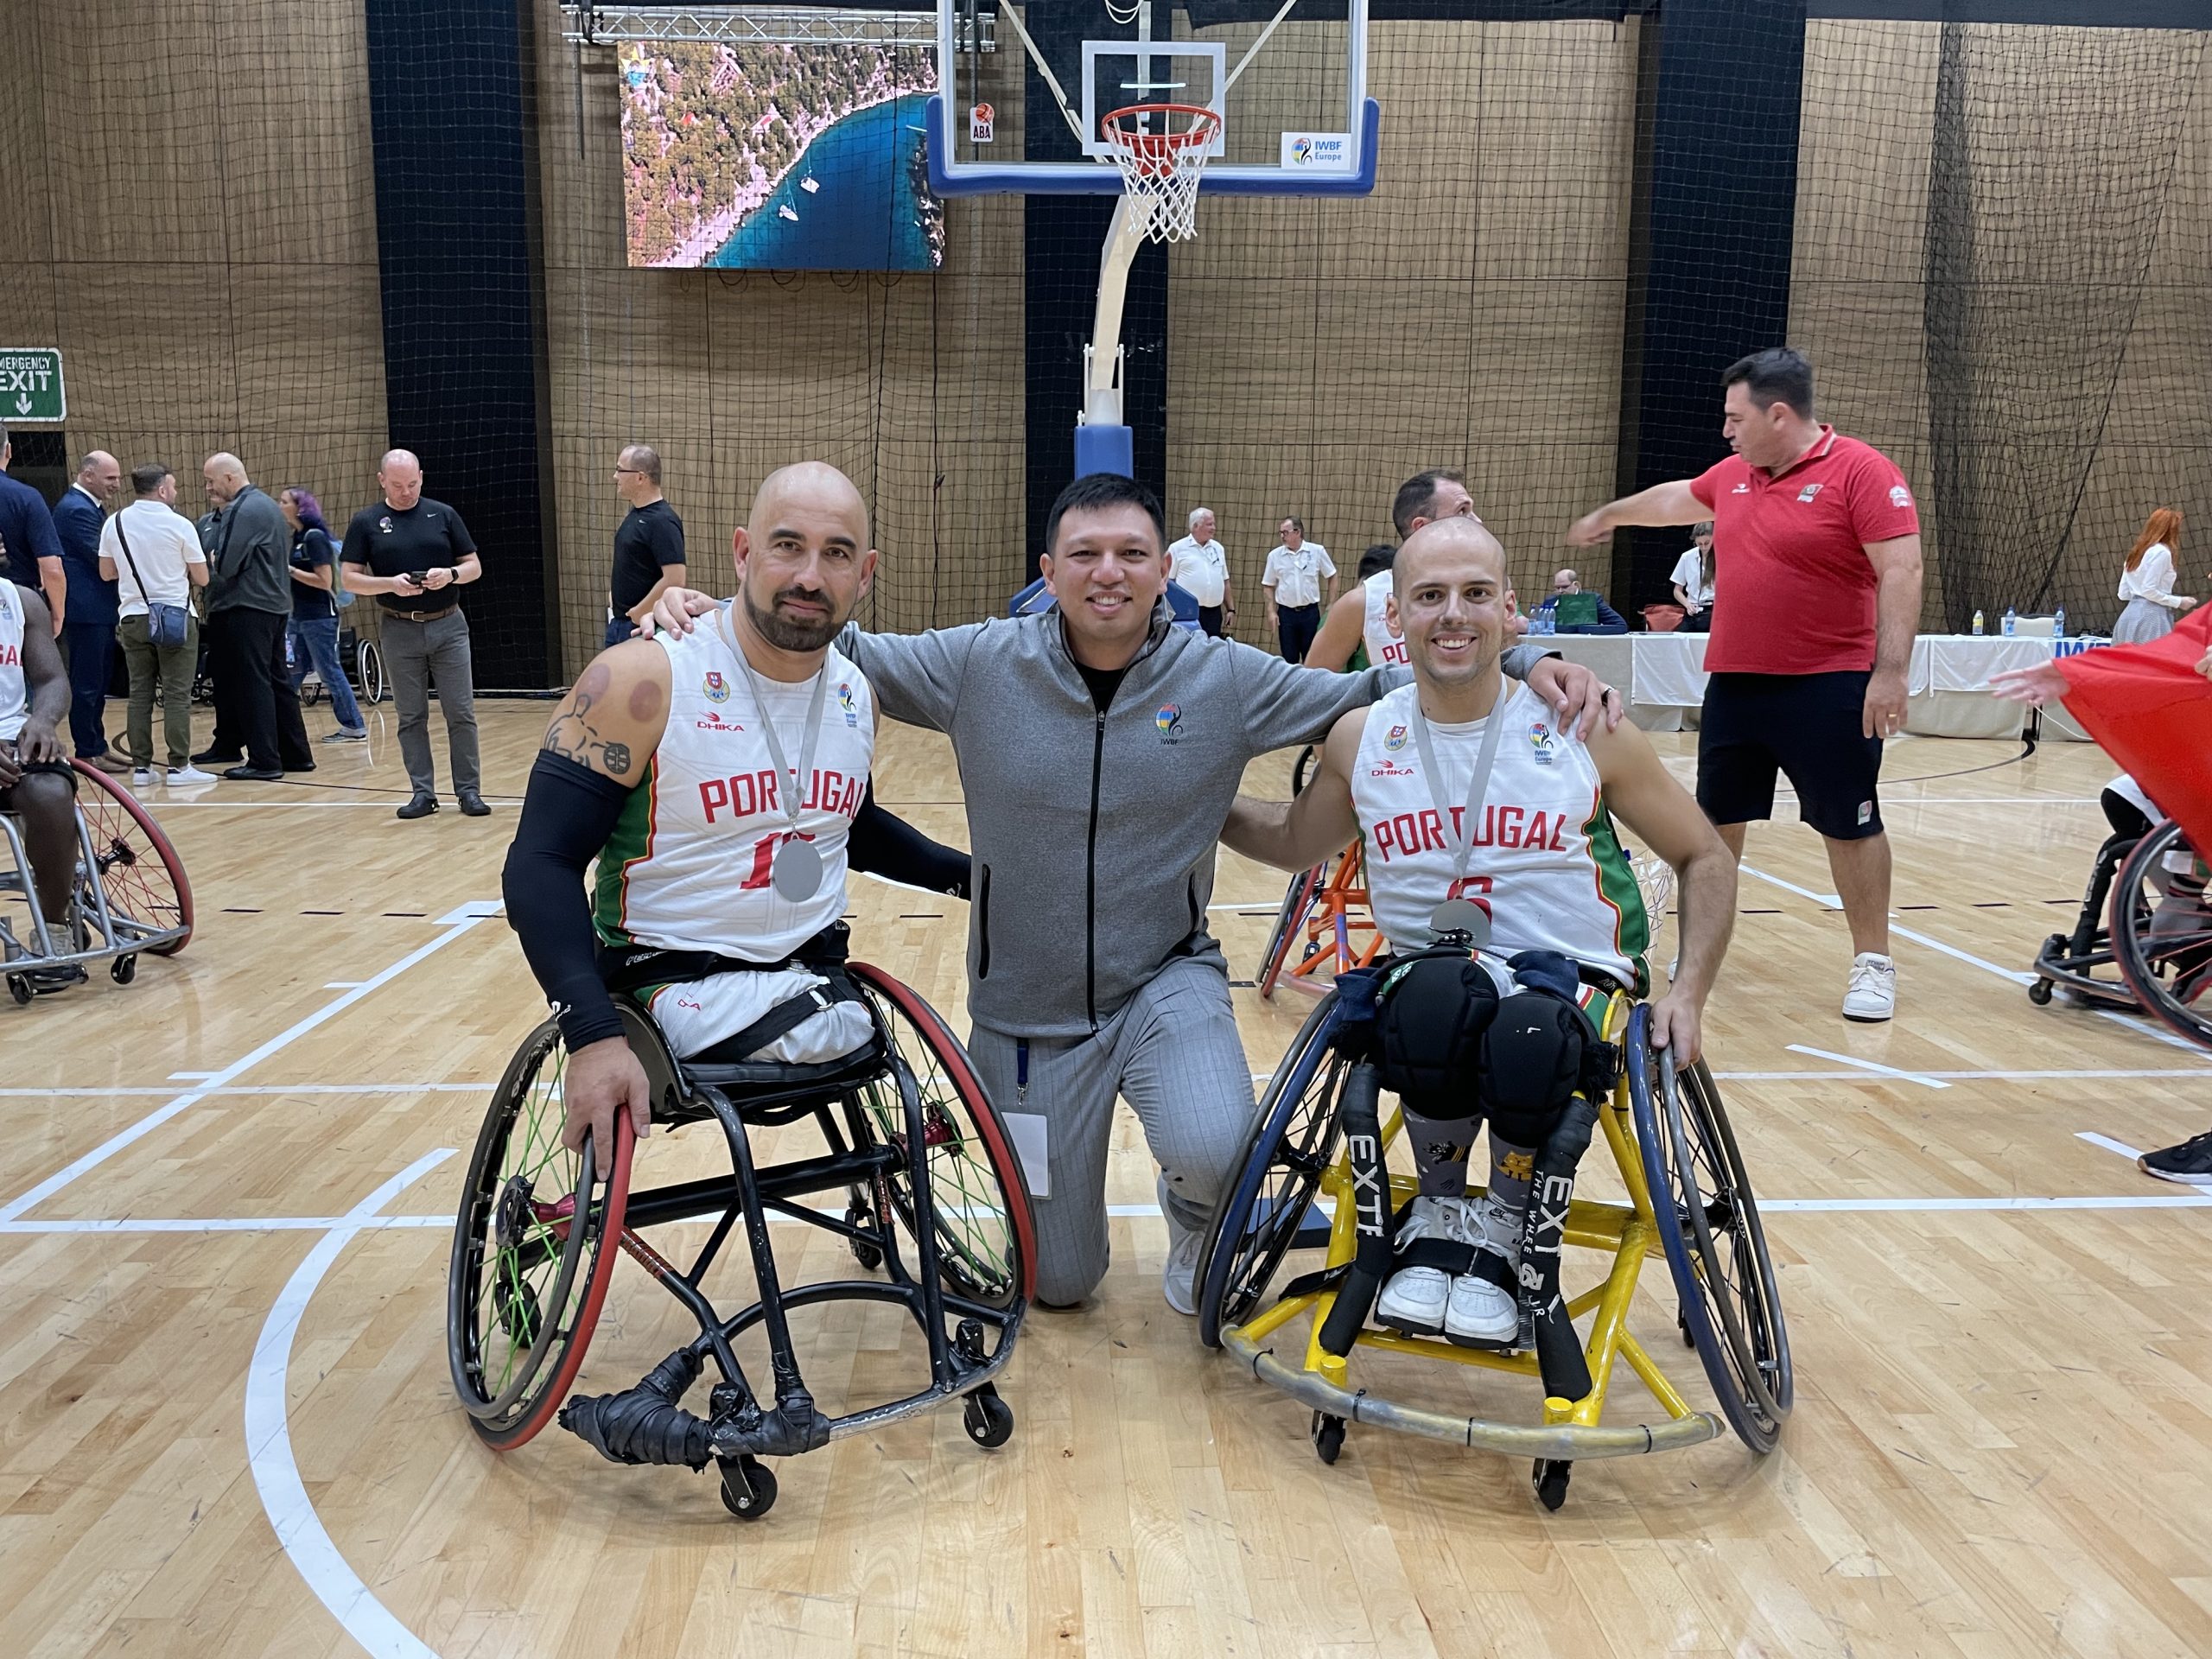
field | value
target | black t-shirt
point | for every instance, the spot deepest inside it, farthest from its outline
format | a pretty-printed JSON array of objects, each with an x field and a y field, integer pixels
[
  {"x": 405, "y": 542},
  {"x": 1103, "y": 683},
  {"x": 650, "y": 537},
  {"x": 311, "y": 550}
]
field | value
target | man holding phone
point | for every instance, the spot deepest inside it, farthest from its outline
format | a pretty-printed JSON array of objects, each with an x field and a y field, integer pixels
[{"x": 414, "y": 554}]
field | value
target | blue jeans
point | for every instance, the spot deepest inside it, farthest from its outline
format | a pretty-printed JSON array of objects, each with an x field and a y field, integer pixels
[
  {"x": 315, "y": 642},
  {"x": 620, "y": 628}
]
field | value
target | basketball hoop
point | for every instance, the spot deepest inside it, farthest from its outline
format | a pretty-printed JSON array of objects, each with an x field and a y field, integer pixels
[{"x": 1162, "y": 151}]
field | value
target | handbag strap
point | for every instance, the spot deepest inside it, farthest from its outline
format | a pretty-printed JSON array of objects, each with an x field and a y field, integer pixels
[{"x": 147, "y": 598}]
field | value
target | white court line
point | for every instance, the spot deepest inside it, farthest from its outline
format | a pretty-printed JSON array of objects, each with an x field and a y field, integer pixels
[
  {"x": 220, "y": 1225},
  {"x": 2148, "y": 1027},
  {"x": 1920, "y": 1078},
  {"x": 1997, "y": 1077},
  {"x": 269, "y": 1440},
  {"x": 456, "y": 923},
  {"x": 1249, "y": 909},
  {"x": 339, "y": 984},
  {"x": 112, "y": 1090},
  {"x": 2110, "y": 1145},
  {"x": 1832, "y": 902},
  {"x": 1903, "y": 1206},
  {"x": 190, "y": 1076}
]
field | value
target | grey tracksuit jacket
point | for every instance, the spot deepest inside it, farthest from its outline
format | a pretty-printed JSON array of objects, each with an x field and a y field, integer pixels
[{"x": 1094, "y": 835}]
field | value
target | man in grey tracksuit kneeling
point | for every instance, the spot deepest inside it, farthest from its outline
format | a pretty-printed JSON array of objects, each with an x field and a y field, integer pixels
[{"x": 1100, "y": 749}]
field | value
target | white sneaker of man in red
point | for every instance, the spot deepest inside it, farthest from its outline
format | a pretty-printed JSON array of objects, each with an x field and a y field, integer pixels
[{"x": 1872, "y": 993}]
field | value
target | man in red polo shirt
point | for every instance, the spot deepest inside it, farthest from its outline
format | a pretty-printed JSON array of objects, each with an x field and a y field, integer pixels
[{"x": 1820, "y": 542}]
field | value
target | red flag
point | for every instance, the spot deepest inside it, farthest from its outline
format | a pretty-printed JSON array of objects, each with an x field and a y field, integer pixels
[{"x": 2152, "y": 712}]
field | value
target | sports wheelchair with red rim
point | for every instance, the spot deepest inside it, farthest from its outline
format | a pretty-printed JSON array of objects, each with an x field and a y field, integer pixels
[{"x": 932, "y": 1195}]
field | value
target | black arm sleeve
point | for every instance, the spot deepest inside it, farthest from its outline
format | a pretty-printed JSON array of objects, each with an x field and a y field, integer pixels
[
  {"x": 880, "y": 844},
  {"x": 567, "y": 813}
]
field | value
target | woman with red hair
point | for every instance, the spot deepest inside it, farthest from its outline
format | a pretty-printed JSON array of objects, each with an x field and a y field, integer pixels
[{"x": 2149, "y": 604}]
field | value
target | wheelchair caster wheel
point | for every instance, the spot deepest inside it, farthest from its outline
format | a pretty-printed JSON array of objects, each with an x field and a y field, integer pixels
[
  {"x": 1682, "y": 1324},
  {"x": 20, "y": 988},
  {"x": 1549, "y": 1477},
  {"x": 748, "y": 1488},
  {"x": 123, "y": 969},
  {"x": 869, "y": 1257},
  {"x": 1328, "y": 1435},
  {"x": 988, "y": 1419},
  {"x": 2039, "y": 993}
]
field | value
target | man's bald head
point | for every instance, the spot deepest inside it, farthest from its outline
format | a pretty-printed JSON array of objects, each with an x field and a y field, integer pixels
[
  {"x": 400, "y": 476},
  {"x": 1451, "y": 539},
  {"x": 224, "y": 474},
  {"x": 803, "y": 558},
  {"x": 100, "y": 473}
]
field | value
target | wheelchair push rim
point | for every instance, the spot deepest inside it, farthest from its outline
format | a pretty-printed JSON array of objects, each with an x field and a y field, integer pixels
[
  {"x": 1715, "y": 1246},
  {"x": 1292, "y": 1143},
  {"x": 2161, "y": 931},
  {"x": 1297, "y": 901},
  {"x": 517, "y": 1251},
  {"x": 140, "y": 874},
  {"x": 986, "y": 1232}
]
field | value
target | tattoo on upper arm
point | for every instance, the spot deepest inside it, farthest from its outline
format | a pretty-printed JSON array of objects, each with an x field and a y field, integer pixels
[{"x": 574, "y": 735}]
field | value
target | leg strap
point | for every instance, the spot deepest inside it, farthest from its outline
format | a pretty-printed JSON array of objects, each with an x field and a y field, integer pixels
[
  {"x": 1370, "y": 1194},
  {"x": 1546, "y": 1326}
]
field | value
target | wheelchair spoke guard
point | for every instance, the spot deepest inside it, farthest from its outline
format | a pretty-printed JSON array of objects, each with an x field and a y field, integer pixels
[
  {"x": 2162, "y": 930},
  {"x": 143, "y": 878}
]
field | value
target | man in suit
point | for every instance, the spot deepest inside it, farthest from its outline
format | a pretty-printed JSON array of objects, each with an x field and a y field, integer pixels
[{"x": 88, "y": 624}]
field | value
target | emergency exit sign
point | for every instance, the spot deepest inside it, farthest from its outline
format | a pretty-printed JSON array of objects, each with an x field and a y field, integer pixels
[{"x": 30, "y": 384}]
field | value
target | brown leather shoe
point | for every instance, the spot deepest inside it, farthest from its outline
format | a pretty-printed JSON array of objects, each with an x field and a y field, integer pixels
[{"x": 110, "y": 763}]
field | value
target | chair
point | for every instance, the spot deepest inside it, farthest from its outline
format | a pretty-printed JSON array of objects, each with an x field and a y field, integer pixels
[{"x": 931, "y": 1197}]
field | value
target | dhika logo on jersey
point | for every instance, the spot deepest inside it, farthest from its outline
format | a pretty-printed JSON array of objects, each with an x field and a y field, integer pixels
[
  {"x": 1394, "y": 739},
  {"x": 716, "y": 687},
  {"x": 1808, "y": 492},
  {"x": 848, "y": 702},
  {"x": 712, "y": 722},
  {"x": 1169, "y": 720},
  {"x": 1744, "y": 488},
  {"x": 1539, "y": 740}
]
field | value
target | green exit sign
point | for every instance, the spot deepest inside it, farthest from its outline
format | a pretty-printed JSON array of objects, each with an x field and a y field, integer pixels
[{"x": 30, "y": 384}]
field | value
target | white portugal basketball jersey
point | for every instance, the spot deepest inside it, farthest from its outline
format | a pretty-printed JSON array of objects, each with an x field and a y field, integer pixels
[
  {"x": 1385, "y": 647},
  {"x": 15, "y": 703},
  {"x": 1547, "y": 864},
  {"x": 687, "y": 865}
]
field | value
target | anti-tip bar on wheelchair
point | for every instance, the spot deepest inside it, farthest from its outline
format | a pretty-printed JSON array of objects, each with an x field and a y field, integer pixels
[{"x": 1552, "y": 1441}]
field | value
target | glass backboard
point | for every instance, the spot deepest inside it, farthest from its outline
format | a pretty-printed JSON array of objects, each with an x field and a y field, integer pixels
[{"x": 1027, "y": 84}]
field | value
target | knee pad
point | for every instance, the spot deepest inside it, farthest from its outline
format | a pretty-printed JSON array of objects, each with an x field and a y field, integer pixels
[
  {"x": 1429, "y": 1033},
  {"x": 1533, "y": 1056}
]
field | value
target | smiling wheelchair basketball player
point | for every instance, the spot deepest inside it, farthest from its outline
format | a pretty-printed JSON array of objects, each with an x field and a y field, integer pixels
[{"x": 1495, "y": 874}]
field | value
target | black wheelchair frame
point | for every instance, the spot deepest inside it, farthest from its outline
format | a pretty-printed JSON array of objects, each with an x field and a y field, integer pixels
[{"x": 912, "y": 1141}]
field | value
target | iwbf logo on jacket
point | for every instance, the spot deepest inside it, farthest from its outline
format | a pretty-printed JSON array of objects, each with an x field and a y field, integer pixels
[{"x": 1169, "y": 720}]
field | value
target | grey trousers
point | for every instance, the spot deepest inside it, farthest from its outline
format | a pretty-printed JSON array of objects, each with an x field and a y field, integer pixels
[
  {"x": 1173, "y": 1052},
  {"x": 415, "y": 654}
]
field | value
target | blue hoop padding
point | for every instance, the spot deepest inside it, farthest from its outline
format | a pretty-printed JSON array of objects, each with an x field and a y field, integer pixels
[
  {"x": 1106, "y": 181},
  {"x": 1105, "y": 449}
]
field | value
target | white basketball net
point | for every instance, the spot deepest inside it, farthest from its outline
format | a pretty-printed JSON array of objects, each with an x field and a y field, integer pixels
[{"x": 1162, "y": 151}]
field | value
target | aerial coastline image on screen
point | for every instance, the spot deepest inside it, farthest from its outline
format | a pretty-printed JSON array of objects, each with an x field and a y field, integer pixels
[{"x": 778, "y": 157}]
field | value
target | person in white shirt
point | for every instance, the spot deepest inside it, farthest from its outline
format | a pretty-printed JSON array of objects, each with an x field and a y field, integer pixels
[
  {"x": 150, "y": 551},
  {"x": 1200, "y": 565},
  {"x": 1693, "y": 580},
  {"x": 1299, "y": 582},
  {"x": 2148, "y": 601}
]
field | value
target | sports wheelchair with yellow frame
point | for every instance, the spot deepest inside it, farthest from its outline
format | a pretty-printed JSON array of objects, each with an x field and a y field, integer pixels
[
  {"x": 924, "y": 1187},
  {"x": 1689, "y": 1201}
]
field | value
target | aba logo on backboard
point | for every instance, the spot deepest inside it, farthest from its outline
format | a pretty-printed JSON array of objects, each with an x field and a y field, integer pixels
[
  {"x": 1169, "y": 720},
  {"x": 716, "y": 687},
  {"x": 1306, "y": 151}
]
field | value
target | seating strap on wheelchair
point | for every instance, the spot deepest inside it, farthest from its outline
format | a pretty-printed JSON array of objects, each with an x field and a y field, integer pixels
[
  {"x": 628, "y": 968},
  {"x": 1560, "y": 1359},
  {"x": 786, "y": 1016},
  {"x": 1370, "y": 1195}
]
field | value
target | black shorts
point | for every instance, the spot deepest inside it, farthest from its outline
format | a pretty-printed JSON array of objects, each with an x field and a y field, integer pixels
[{"x": 1808, "y": 727}]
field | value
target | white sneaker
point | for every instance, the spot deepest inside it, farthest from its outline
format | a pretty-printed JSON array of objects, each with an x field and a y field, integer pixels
[
  {"x": 142, "y": 776},
  {"x": 1179, "y": 1281},
  {"x": 190, "y": 775},
  {"x": 1414, "y": 1299},
  {"x": 1872, "y": 993},
  {"x": 1481, "y": 1312}
]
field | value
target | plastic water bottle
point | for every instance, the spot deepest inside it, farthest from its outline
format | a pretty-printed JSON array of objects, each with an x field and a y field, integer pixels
[
  {"x": 1978, "y": 629},
  {"x": 2058, "y": 623},
  {"x": 2011, "y": 622}
]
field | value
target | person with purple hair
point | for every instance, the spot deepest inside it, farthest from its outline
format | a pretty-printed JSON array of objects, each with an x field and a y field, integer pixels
[{"x": 313, "y": 631}]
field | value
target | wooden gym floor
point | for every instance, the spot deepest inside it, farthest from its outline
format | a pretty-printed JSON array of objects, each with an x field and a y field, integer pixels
[{"x": 226, "y": 1427}]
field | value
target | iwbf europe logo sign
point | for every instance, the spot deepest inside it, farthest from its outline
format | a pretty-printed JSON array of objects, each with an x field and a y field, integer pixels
[
  {"x": 1317, "y": 151},
  {"x": 30, "y": 384}
]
